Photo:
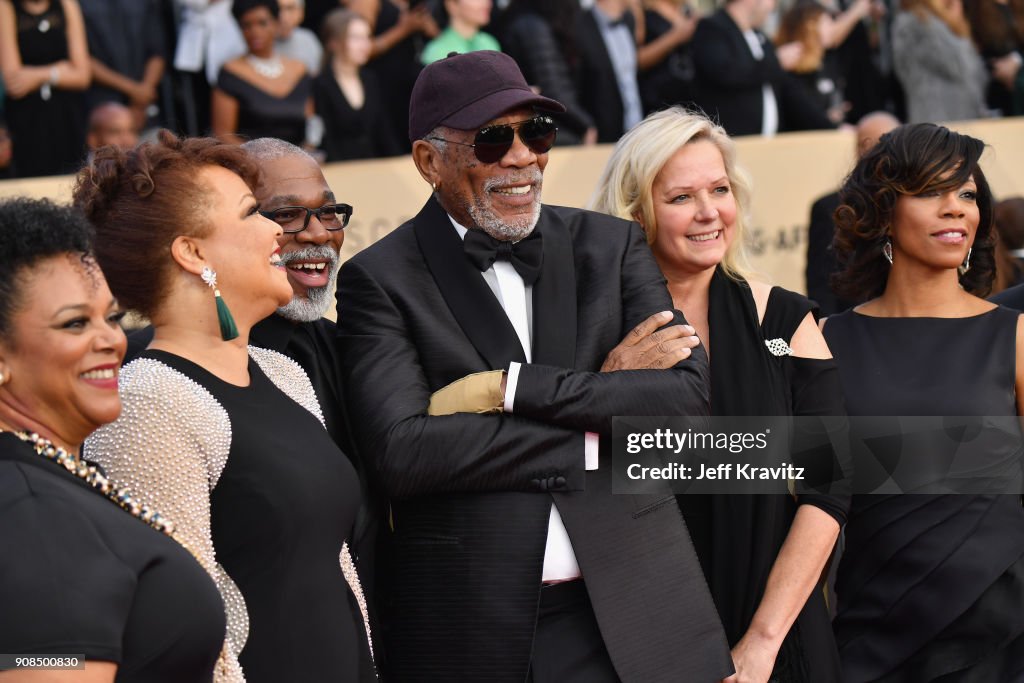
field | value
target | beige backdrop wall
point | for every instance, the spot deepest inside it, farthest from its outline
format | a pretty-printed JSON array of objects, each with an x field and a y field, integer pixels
[{"x": 789, "y": 172}]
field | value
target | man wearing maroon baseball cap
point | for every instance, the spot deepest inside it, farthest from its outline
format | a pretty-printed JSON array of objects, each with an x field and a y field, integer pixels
[{"x": 481, "y": 341}]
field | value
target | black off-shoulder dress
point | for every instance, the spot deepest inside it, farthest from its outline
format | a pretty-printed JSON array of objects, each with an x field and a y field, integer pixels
[{"x": 738, "y": 537}]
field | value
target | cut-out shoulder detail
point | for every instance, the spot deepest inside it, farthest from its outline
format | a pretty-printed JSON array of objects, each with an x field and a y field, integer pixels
[
  {"x": 808, "y": 342},
  {"x": 761, "y": 291}
]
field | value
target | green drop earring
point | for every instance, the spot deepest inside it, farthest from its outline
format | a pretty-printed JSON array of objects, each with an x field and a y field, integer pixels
[{"x": 228, "y": 330}]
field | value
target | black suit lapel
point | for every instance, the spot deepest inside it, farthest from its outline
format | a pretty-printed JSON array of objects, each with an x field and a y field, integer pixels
[
  {"x": 735, "y": 34},
  {"x": 554, "y": 297},
  {"x": 469, "y": 298},
  {"x": 601, "y": 51}
]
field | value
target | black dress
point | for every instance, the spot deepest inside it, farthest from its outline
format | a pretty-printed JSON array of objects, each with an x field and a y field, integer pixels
[
  {"x": 283, "y": 506},
  {"x": 81, "y": 576},
  {"x": 930, "y": 587},
  {"x": 261, "y": 115},
  {"x": 351, "y": 133},
  {"x": 671, "y": 81},
  {"x": 738, "y": 538},
  {"x": 47, "y": 135},
  {"x": 396, "y": 70},
  {"x": 541, "y": 53}
]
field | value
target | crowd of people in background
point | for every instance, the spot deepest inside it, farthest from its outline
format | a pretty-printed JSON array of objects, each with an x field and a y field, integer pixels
[
  {"x": 424, "y": 490},
  {"x": 321, "y": 73}
]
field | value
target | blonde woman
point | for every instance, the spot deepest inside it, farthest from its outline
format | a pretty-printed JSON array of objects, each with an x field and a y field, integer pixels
[{"x": 675, "y": 173}]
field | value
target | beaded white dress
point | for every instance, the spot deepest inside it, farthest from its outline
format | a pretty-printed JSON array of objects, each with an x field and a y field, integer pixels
[{"x": 170, "y": 447}]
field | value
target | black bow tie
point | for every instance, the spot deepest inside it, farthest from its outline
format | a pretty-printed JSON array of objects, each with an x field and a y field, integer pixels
[{"x": 526, "y": 255}]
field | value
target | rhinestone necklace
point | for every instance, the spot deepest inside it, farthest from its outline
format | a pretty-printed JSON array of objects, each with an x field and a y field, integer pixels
[
  {"x": 92, "y": 476},
  {"x": 271, "y": 67}
]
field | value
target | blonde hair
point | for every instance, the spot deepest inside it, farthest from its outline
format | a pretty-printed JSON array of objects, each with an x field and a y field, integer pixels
[{"x": 625, "y": 188}]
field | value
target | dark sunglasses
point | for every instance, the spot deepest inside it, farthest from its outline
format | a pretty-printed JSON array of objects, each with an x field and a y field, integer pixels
[
  {"x": 493, "y": 142},
  {"x": 331, "y": 216}
]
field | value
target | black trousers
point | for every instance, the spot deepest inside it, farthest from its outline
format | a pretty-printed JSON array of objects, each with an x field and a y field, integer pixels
[{"x": 567, "y": 646}]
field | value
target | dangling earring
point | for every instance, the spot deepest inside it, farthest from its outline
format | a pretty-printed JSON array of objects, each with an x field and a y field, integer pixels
[
  {"x": 3, "y": 378},
  {"x": 887, "y": 250},
  {"x": 966, "y": 265},
  {"x": 433, "y": 186},
  {"x": 228, "y": 331}
]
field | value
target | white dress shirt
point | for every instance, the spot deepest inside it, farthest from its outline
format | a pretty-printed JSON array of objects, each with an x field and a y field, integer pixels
[
  {"x": 770, "y": 110},
  {"x": 516, "y": 298},
  {"x": 620, "y": 44}
]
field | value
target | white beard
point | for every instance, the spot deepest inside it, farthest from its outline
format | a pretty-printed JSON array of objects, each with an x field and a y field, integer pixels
[
  {"x": 312, "y": 306},
  {"x": 503, "y": 229}
]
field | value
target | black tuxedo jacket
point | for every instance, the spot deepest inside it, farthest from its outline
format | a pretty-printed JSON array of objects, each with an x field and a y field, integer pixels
[
  {"x": 470, "y": 514},
  {"x": 595, "y": 77},
  {"x": 729, "y": 81}
]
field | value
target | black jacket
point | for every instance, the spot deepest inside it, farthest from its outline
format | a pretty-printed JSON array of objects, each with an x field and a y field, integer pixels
[
  {"x": 595, "y": 77},
  {"x": 730, "y": 81},
  {"x": 468, "y": 494},
  {"x": 529, "y": 40}
]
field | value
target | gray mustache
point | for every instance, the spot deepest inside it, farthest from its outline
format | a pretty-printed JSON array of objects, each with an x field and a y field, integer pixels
[
  {"x": 533, "y": 177},
  {"x": 310, "y": 253}
]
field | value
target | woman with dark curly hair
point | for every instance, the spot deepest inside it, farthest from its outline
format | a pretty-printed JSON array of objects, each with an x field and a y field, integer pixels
[
  {"x": 225, "y": 437},
  {"x": 929, "y": 586},
  {"x": 84, "y": 569}
]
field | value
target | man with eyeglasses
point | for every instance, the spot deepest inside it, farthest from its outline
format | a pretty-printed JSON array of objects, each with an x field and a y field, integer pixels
[{"x": 481, "y": 340}]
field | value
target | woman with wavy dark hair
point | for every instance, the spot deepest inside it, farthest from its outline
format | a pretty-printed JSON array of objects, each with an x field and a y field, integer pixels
[
  {"x": 929, "y": 586},
  {"x": 226, "y": 438}
]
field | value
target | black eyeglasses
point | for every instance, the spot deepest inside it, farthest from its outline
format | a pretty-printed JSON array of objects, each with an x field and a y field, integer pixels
[
  {"x": 493, "y": 142},
  {"x": 331, "y": 216}
]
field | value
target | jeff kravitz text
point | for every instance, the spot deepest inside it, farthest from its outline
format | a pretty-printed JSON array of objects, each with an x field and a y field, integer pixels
[{"x": 722, "y": 472}]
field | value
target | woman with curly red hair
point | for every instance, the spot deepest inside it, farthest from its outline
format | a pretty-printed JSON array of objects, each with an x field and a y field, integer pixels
[{"x": 226, "y": 438}]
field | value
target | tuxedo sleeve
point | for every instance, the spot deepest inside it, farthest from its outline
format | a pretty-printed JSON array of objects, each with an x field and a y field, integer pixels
[
  {"x": 415, "y": 454},
  {"x": 587, "y": 401}
]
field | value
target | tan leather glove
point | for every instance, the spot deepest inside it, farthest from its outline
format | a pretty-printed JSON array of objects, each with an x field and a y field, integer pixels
[{"x": 477, "y": 393}]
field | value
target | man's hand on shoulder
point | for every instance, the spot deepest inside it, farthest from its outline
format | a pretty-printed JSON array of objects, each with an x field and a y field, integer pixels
[{"x": 648, "y": 348}]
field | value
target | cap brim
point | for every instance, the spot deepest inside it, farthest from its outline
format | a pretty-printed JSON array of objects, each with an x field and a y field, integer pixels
[{"x": 492, "y": 106}]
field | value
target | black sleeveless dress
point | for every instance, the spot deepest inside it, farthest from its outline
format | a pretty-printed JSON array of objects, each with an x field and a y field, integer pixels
[
  {"x": 396, "y": 71},
  {"x": 931, "y": 588},
  {"x": 262, "y": 115},
  {"x": 47, "y": 135},
  {"x": 738, "y": 538},
  {"x": 282, "y": 508}
]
